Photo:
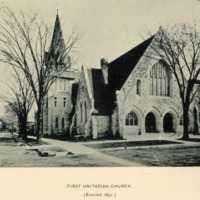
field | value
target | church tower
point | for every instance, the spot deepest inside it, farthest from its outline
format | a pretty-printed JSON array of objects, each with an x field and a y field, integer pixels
[{"x": 58, "y": 105}]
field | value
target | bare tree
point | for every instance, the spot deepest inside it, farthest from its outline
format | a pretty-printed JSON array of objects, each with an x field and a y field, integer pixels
[
  {"x": 25, "y": 45},
  {"x": 179, "y": 48},
  {"x": 19, "y": 97}
]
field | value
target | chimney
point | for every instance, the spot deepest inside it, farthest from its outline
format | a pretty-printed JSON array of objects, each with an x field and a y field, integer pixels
[{"x": 104, "y": 68}]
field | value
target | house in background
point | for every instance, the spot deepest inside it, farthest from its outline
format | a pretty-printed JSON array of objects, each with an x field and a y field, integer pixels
[{"x": 132, "y": 95}]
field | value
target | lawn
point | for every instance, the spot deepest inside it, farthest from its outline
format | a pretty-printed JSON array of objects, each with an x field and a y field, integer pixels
[
  {"x": 21, "y": 158},
  {"x": 14, "y": 154},
  {"x": 179, "y": 156}
]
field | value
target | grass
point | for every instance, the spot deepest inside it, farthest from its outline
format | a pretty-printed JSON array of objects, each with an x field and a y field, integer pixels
[
  {"x": 182, "y": 156},
  {"x": 14, "y": 155},
  {"x": 130, "y": 144},
  {"x": 5, "y": 140}
]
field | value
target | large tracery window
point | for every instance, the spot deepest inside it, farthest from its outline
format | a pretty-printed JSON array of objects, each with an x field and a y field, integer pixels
[
  {"x": 160, "y": 80},
  {"x": 131, "y": 119}
]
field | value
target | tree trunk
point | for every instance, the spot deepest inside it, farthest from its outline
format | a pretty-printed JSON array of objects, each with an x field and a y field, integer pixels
[
  {"x": 185, "y": 121},
  {"x": 39, "y": 123},
  {"x": 38, "y": 132},
  {"x": 20, "y": 128},
  {"x": 24, "y": 128}
]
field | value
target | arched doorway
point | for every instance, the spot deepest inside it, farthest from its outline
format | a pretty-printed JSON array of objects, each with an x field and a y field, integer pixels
[
  {"x": 150, "y": 123},
  {"x": 168, "y": 123}
]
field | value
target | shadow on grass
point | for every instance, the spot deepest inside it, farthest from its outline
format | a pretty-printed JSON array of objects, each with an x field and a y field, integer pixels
[
  {"x": 130, "y": 144},
  {"x": 191, "y": 139},
  {"x": 33, "y": 142},
  {"x": 57, "y": 137},
  {"x": 8, "y": 140}
]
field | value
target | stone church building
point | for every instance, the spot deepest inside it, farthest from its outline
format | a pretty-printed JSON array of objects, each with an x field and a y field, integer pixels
[{"x": 132, "y": 95}]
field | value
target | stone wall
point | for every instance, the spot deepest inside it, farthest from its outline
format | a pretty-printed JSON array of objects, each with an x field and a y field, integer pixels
[
  {"x": 84, "y": 122},
  {"x": 57, "y": 104},
  {"x": 103, "y": 126},
  {"x": 115, "y": 123}
]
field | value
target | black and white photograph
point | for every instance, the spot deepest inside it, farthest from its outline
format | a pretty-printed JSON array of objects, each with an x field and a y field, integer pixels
[{"x": 100, "y": 85}]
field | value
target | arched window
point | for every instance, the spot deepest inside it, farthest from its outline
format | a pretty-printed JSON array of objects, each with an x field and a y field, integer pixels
[
  {"x": 64, "y": 101},
  {"x": 138, "y": 89},
  {"x": 55, "y": 101},
  {"x": 131, "y": 119},
  {"x": 81, "y": 113},
  {"x": 63, "y": 123},
  {"x": 56, "y": 122},
  {"x": 160, "y": 80},
  {"x": 85, "y": 111}
]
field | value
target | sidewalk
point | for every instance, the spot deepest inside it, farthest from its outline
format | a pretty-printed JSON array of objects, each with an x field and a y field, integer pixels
[{"x": 78, "y": 149}]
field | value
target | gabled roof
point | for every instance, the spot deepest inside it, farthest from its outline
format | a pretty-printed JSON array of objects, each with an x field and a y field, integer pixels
[
  {"x": 120, "y": 68},
  {"x": 98, "y": 88}
]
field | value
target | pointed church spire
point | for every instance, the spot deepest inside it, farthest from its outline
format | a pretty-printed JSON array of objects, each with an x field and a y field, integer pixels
[
  {"x": 57, "y": 51},
  {"x": 57, "y": 39}
]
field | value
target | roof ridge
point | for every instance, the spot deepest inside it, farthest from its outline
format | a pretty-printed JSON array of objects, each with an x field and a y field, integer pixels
[{"x": 140, "y": 44}]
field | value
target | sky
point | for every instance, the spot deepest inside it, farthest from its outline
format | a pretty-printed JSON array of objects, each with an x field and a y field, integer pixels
[{"x": 107, "y": 28}]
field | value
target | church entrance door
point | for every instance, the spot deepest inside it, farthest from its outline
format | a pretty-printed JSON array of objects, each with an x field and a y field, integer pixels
[
  {"x": 168, "y": 123},
  {"x": 150, "y": 123}
]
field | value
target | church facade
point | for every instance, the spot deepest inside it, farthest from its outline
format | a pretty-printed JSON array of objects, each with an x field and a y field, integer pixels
[{"x": 132, "y": 95}]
